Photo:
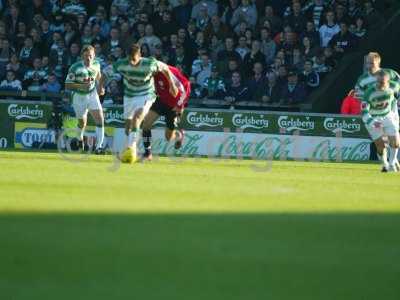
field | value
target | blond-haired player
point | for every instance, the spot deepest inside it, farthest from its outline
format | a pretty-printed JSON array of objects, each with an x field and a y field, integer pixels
[
  {"x": 84, "y": 79},
  {"x": 369, "y": 79}
]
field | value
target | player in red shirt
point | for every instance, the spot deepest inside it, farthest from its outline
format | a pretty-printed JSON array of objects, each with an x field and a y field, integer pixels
[
  {"x": 169, "y": 106},
  {"x": 351, "y": 105}
]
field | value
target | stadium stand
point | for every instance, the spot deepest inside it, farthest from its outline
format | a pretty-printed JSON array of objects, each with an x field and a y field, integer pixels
[{"x": 258, "y": 42}]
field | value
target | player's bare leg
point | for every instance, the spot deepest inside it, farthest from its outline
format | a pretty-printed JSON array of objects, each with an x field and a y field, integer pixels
[
  {"x": 99, "y": 120},
  {"x": 81, "y": 131},
  {"x": 176, "y": 135},
  {"x": 127, "y": 155},
  {"x": 131, "y": 130},
  {"x": 147, "y": 124},
  {"x": 394, "y": 144},
  {"x": 382, "y": 153}
]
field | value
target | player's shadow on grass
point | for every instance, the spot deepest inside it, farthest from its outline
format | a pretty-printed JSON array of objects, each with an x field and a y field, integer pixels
[{"x": 193, "y": 256}]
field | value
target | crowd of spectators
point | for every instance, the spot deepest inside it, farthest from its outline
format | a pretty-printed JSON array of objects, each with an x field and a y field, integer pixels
[{"x": 268, "y": 51}]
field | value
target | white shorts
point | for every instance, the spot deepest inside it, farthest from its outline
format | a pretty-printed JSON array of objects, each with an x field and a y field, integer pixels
[
  {"x": 84, "y": 103},
  {"x": 132, "y": 104},
  {"x": 390, "y": 126}
]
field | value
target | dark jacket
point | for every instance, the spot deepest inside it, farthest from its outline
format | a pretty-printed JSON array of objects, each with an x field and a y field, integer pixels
[{"x": 297, "y": 95}]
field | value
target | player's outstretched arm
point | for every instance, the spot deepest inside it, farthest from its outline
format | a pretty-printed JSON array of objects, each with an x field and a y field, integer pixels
[{"x": 100, "y": 79}]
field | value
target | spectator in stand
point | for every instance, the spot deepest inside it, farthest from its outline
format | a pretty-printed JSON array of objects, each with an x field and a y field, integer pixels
[
  {"x": 330, "y": 58},
  {"x": 236, "y": 91},
  {"x": 15, "y": 66},
  {"x": 28, "y": 52},
  {"x": 320, "y": 65},
  {"x": 167, "y": 26},
  {"x": 227, "y": 54},
  {"x": 257, "y": 83},
  {"x": 353, "y": 9},
  {"x": 229, "y": 10},
  {"x": 57, "y": 59},
  {"x": 297, "y": 60},
  {"x": 203, "y": 19},
  {"x": 351, "y": 105},
  {"x": 11, "y": 83},
  {"x": 73, "y": 7},
  {"x": 214, "y": 86},
  {"x": 201, "y": 68},
  {"x": 341, "y": 14},
  {"x": 183, "y": 12},
  {"x": 233, "y": 66},
  {"x": 51, "y": 85},
  {"x": 309, "y": 76},
  {"x": 218, "y": 28},
  {"x": 34, "y": 84},
  {"x": 35, "y": 73},
  {"x": 268, "y": 46},
  {"x": 273, "y": 90},
  {"x": 246, "y": 12},
  {"x": 123, "y": 5},
  {"x": 308, "y": 49},
  {"x": 100, "y": 56},
  {"x": 5, "y": 52},
  {"x": 312, "y": 34},
  {"x": 150, "y": 39},
  {"x": 182, "y": 60},
  {"x": 70, "y": 33},
  {"x": 214, "y": 47},
  {"x": 282, "y": 75},
  {"x": 13, "y": 19},
  {"x": 195, "y": 88},
  {"x": 342, "y": 42},
  {"x": 242, "y": 48},
  {"x": 255, "y": 55},
  {"x": 274, "y": 21},
  {"x": 329, "y": 29},
  {"x": 86, "y": 37},
  {"x": 371, "y": 15},
  {"x": 296, "y": 19},
  {"x": 200, "y": 41},
  {"x": 114, "y": 93},
  {"x": 114, "y": 17},
  {"x": 315, "y": 12},
  {"x": 210, "y": 5},
  {"x": 358, "y": 28},
  {"x": 294, "y": 91},
  {"x": 126, "y": 35},
  {"x": 100, "y": 20},
  {"x": 112, "y": 42},
  {"x": 73, "y": 54}
]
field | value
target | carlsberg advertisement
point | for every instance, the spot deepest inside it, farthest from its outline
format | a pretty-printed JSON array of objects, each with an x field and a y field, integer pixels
[{"x": 224, "y": 133}]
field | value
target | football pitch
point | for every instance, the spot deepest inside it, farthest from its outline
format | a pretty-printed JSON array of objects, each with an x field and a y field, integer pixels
[{"x": 86, "y": 227}]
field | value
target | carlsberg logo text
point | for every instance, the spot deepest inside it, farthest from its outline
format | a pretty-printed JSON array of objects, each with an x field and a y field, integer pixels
[
  {"x": 198, "y": 119},
  {"x": 113, "y": 116},
  {"x": 292, "y": 123},
  {"x": 25, "y": 112},
  {"x": 252, "y": 121},
  {"x": 344, "y": 125}
]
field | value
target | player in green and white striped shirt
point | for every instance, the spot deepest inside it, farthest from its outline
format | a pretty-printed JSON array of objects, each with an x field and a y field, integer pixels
[
  {"x": 379, "y": 118},
  {"x": 368, "y": 79},
  {"x": 81, "y": 79},
  {"x": 139, "y": 93}
]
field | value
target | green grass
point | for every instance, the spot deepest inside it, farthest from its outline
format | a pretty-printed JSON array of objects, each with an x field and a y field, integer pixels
[{"x": 87, "y": 228}]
